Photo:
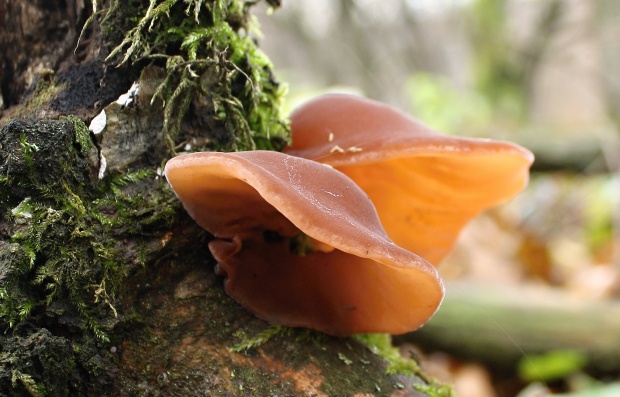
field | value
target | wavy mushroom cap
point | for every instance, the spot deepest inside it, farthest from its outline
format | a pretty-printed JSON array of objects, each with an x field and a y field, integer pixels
[
  {"x": 264, "y": 207},
  {"x": 425, "y": 185}
]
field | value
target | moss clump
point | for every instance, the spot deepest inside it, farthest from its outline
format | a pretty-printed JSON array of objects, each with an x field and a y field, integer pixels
[
  {"x": 67, "y": 242},
  {"x": 37, "y": 365},
  {"x": 273, "y": 332},
  {"x": 213, "y": 68},
  {"x": 50, "y": 244},
  {"x": 381, "y": 344},
  {"x": 40, "y": 94}
]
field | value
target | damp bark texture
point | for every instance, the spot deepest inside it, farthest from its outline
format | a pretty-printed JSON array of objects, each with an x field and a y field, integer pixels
[{"x": 106, "y": 284}]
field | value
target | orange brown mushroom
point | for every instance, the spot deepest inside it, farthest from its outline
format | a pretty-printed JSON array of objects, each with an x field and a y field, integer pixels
[
  {"x": 425, "y": 185},
  {"x": 261, "y": 205}
]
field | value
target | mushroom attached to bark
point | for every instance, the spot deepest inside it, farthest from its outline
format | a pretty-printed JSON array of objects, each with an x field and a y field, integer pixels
[
  {"x": 425, "y": 185},
  {"x": 301, "y": 245}
]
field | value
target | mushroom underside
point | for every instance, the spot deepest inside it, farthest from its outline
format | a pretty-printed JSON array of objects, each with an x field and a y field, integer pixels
[{"x": 349, "y": 279}]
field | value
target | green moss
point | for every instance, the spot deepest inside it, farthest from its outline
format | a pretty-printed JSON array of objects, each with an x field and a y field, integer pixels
[
  {"x": 44, "y": 90},
  {"x": 51, "y": 224},
  {"x": 212, "y": 63},
  {"x": 381, "y": 344},
  {"x": 62, "y": 247},
  {"x": 273, "y": 332},
  {"x": 27, "y": 149},
  {"x": 436, "y": 390},
  {"x": 40, "y": 364},
  {"x": 15, "y": 304},
  {"x": 82, "y": 134},
  {"x": 28, "y": 383}
]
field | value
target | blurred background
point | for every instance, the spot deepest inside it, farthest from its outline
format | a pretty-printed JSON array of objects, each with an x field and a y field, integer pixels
[{"x": 538, "y": 278}]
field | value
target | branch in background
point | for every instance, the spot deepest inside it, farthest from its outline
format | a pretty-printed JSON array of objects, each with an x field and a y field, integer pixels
[{"x": 500, "y": 325}]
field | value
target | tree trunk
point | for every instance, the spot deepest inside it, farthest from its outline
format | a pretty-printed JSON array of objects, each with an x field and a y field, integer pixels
[{"x": 106, "y": 284}]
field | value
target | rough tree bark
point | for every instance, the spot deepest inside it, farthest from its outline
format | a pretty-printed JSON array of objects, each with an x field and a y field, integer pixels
[{"x": 106, "y": 285}]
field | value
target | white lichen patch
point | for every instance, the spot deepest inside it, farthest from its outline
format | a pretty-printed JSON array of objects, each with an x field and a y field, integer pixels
[
  {"x": 103, "y": 164},
  {"x": 126, "y": 99},
  {"x": 97, "y": 125}
]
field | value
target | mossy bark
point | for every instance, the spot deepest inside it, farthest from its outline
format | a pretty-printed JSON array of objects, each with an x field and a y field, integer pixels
[{"x": 106, "y": 285}]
